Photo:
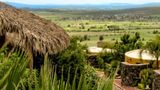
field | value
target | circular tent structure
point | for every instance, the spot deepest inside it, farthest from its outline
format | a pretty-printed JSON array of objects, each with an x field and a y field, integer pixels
[
  {"x": 139, "y": 56},
  {"x": 30, "y": 32},
  {"x": 97, "y": 50}
]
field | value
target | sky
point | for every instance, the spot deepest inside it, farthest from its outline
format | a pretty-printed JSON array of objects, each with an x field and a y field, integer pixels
[{"x": 81, "y": 1}]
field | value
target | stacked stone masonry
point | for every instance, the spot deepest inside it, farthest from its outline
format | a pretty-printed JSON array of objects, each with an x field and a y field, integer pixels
[{"x": 130, "y": 73}]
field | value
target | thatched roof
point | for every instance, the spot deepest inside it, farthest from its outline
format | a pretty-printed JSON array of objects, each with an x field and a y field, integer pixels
[{"x": 28, "y": 31}]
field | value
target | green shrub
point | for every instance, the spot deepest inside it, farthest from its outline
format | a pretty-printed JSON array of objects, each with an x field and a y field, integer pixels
[
  {"x": 127, "y": 43},
  {"x": 100, "y": 63},
  {"x": 141, "y": 86},
  {"x": 101, "y": 38},
  {"x": 73, "y": 57},
  {"x": 107, "y": 57},
  {"x": 113, "y": 27},
  {"x": 146, "y": 76},
  {"x": 115, "y": 64},
  {"x": 108, "y": 44}
]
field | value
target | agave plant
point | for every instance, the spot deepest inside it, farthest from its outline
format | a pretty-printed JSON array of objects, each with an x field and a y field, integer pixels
[
  {"x": 13, "y": 77},
  {"x": 14, "y": 72},
  {"x": 49, "y": 81}
]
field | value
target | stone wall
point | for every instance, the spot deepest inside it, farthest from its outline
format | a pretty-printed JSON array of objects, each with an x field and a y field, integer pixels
[
  {"x": 130, "y": 73},
  {"x": 156, "y": 80},
  {"x": 92, "y": 59}
]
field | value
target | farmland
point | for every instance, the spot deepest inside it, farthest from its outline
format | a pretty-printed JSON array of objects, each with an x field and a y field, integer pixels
[{"x": 109, "y": 24}]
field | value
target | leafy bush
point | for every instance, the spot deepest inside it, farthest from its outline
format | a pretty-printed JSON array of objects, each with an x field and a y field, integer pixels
[
  {"x": 154, "y": 48},
  {"x": 108, "y": 44},
  {"x": 101, "y": 38},
  {"x": 107, "y": 57},
  {"x": 127, "y": 43},
  {"x": 156, "y": 32},
  {"x": 114, "y": 64},
  {"x": 113, "y": 27},
  {"x": 73, "y": 57},
  {"x": 100, "y": 63},
  {"x": 146, "y": 76}
]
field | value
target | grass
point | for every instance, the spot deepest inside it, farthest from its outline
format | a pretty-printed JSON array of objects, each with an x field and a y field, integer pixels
[
  {"x": 96, "y": 28},
  {"x": 112, "y": 36}
]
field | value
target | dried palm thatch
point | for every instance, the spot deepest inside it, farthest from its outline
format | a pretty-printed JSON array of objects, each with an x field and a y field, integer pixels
[{"x": 30, "y": 32}]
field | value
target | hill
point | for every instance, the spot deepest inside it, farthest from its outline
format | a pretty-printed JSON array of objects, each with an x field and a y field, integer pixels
[{"x": 136, "y": 14}]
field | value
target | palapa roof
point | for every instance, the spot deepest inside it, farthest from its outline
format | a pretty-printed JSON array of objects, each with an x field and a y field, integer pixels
[{"x": 28, "y": 31}]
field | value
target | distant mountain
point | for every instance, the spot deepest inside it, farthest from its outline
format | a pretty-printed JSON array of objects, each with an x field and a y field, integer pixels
[
  {"x": 19, "y": 5},
  {"x": 112, "y": 6}
]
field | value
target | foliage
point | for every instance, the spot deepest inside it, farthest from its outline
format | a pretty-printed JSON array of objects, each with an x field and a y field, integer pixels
[
  {"x": 18, "y": 77},
  {"x": 15, "y": 66},
  {"x": 108, "y": 62},
  {"x": 69, "y": 72},
  {"x": 100, "y": 62},
  {"x": 146, "y": 76},
  {"x": 154, "y": 48},
  {"x": 108, "y": 44},
  {"x": 60, "y": 84},
  {"x": 107, "y": 57},
  {"x": 127, "y": 43},
  {"x": 86, "y": 37},
  {"x": 91, "y": 76},
  {"x": 156, "y": 32},
  {"x": 141, "y": 86},
  {"x": 101, "y": 38},
  {"x": 114, "y": 64},
  {"x": 73, "y": 57},
  {"x": 113, "y": 27}
]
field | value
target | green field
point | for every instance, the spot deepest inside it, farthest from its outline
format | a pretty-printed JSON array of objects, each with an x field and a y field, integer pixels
[{"x": 76, "y": 25}]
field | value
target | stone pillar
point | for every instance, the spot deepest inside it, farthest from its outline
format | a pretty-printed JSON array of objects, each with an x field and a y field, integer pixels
[
  {"x": 130, "y": 73},
  {"x": 156, "y": 80}
]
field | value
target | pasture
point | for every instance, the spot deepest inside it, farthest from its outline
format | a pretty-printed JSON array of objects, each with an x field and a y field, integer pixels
[{"x": 111, "y": 30}]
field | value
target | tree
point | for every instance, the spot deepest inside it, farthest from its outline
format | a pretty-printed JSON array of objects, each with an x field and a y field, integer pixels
[
  {"x": 101, "y": 38},
  {"x": 127, "y": 43},
  {"x": 69, "y": 25},
  {"x": 113, "y": 28},
  {"x": 154, "y": 48},
  {"x": 125, "y": 38}
]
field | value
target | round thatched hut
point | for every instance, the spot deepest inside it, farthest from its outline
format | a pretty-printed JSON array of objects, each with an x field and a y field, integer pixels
[{"x": 27, "y": 31}]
